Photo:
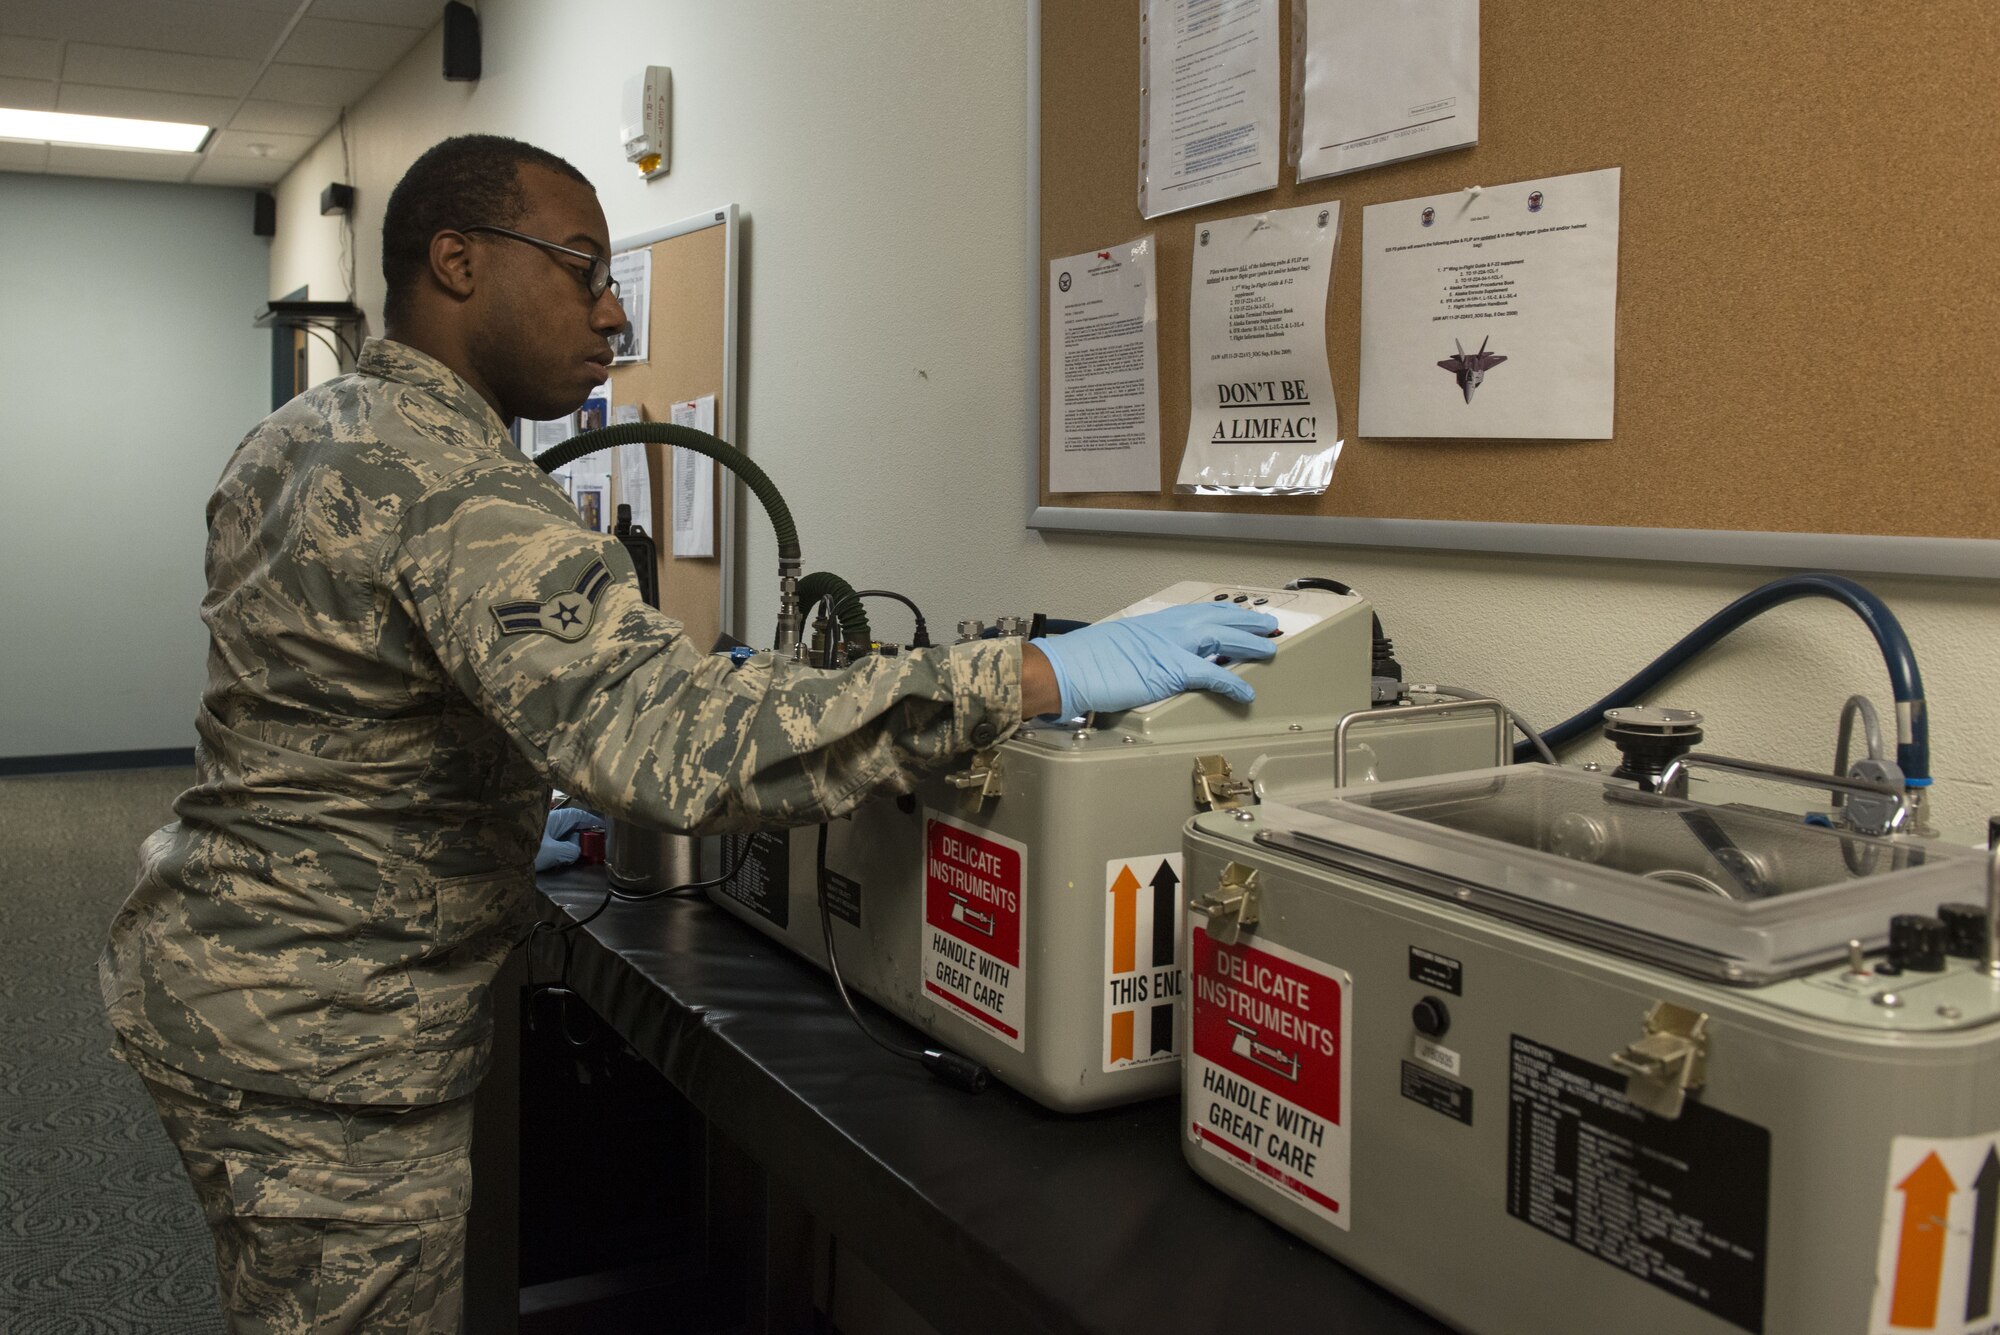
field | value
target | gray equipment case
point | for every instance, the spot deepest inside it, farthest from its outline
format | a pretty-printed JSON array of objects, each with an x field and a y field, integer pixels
[
  {"x": 1546, "y": 1053},
  {"x": 1024, "y": 909}
]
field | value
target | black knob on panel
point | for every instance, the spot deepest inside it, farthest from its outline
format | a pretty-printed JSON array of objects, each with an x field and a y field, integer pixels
[
  {"x": 1964, "y": 929},
  {"x": 1430, "y": 1017},
  {"x": 1917, "y": 943}
]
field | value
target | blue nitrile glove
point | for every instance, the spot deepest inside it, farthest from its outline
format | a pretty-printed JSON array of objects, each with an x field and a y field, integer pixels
[
  {"x": 559, "y": 847},
  {"x": 1137, "y": 660}
]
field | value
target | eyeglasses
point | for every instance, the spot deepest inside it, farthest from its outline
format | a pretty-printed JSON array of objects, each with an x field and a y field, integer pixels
[{"x": 595, "y": 280}]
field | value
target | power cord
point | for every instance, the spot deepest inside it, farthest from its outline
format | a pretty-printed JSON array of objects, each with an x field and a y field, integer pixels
[
  {"x": 921, "y": 639},
  {"x": 559, "y": 988},
  {"x": 959, "y": 1072}
]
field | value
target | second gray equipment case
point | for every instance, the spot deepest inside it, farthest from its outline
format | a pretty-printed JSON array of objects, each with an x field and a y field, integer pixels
[
  {"x": 1025, "y": 909},
  {"x": 1543, "y": 1052}
]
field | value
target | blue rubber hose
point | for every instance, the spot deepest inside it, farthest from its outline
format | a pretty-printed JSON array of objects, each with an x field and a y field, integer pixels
[{"x": 1906, "y": 683}]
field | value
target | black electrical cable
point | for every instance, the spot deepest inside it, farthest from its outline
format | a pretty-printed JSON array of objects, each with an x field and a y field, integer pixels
[
  {"x": 828, "y": 653},
  {"x": 559, "y": 987},
  {"x": 921, "y": 639},
  {"x": 673, "y": 891},
  {"x": 960, "y": 1072},
  {"x": 1382, "y": 650}
]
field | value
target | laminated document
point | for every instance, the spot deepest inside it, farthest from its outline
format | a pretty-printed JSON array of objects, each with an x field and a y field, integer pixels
[
  {"x": 1385, "y": 80},
  {"x": 1261, "y": 415},
  {"x": 694, "y": 483},
  {"x": 632, "y": 270},
  {"x": 629, "y": 470},
  {"x": 1104, "y": 370},
  {"x": 1208, "y": 102},
  {"x": 1492, "y": 312}
]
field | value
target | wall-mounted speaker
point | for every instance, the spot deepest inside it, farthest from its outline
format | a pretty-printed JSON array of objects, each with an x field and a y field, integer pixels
[
  {"x": 461, "y": 43},
  {"x": 264, "y": 214}
]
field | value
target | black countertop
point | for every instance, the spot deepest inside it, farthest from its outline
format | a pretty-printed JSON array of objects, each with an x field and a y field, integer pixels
[{"x": 986, "y": 1212}]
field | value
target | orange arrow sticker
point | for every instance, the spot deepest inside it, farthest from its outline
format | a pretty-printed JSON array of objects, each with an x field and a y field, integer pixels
[
  {"x": 1927, "y": 1194},
  {"x": 1124, "y": 921}
]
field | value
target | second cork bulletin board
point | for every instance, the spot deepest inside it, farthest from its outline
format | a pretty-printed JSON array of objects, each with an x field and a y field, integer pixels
[
  {"x": 691, "y": 314},
  {"x": 1806, "y": 294}
]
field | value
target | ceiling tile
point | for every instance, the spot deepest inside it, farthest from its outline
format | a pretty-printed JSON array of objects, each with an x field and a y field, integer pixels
[
  {"x": 314, "y": 86},
  {"x": 162, "y": 71},
  {"x": 285, "y": 148},
  {"x": 65, "y": 160},
  {"x": 348, "y": 46},
  {"x": 49, "y": 19},
  {"x": 422, "y": 15},
  {"x": 238, "y": 171},
  {"x": 190, "y": 108},
  {"x": 23, "y": 157},
  {"x": 27, "y": 94},
  {"x": 195, "y": 29},
  {"x": 284, "y": 118},
  {"x": 29, "y": 57}
]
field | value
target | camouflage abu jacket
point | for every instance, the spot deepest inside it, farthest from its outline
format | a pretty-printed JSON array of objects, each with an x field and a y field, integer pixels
[{"x": 411, "y": 640}]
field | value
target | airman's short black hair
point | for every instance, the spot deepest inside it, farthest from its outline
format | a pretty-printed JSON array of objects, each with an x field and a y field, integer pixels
[{"x": 474, "y": 178}]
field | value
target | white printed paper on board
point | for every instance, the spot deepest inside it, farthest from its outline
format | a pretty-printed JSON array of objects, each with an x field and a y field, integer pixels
[
  {"x": 1386, "y": 80},
  {"x": 1208, "y": 102},
  {"x": 1492, "y": 314},
  {"x": 629, "y": 470},
  {"x": 632, "y": 270},
  {"x": 1104, "y": 370},
  {"x": 694, "y": 483},
  {"x": 1261, "y": 415}
]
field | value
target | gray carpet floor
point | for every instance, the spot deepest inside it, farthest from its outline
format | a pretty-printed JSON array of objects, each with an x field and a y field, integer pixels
[{"x": 99, "y": 1234}]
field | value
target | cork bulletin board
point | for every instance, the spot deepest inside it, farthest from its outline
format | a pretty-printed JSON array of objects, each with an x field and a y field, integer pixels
[
  {"x": 1808, "y": 288},
  {"x": 691, "y": 320}
]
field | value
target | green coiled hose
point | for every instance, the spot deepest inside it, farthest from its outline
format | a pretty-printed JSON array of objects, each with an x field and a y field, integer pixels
[
  {"x": 853, "y": 617},
  {"x": 667, "y": 433},
  {"x": 790, "y": 563}
]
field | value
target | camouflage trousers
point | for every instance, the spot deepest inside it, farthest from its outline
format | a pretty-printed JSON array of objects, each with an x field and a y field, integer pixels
[{"x": 329, "y": 1217}]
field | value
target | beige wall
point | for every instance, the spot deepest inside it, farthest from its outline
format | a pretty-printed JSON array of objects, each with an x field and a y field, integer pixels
[{"x": 880, "y": 153}]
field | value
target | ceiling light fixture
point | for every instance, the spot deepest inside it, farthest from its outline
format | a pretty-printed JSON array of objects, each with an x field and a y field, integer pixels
[{"x": 62, "y": 127}]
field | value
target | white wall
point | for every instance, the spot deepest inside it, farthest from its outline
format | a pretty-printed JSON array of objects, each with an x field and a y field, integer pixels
[
  {"x": 128, "y": 372},
  {"x": 880, "y": 153}
]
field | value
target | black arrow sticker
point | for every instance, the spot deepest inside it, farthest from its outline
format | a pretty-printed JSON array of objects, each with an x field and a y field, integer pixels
[
  {"x": 1164, "y": 900},
  {"x": 1979, "y": 1288}
]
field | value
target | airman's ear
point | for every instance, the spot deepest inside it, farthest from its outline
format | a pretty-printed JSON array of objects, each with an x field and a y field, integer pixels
[{"x": 451, "y": 263}]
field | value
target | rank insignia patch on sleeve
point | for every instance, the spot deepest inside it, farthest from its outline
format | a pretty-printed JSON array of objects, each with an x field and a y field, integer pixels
[{"x": 566, "y": 616}]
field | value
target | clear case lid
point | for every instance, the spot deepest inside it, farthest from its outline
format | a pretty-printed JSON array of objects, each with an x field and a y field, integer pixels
[{"x": 1728, "y": 892}]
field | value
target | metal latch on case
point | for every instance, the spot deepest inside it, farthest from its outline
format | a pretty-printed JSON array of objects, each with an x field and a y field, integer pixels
[
  {"x": 1216, "y": 787},
  {"x": 1669, "y": 1061},
  {"x": 978, "y": 783},
  {"x": 1232, "y": 905}
]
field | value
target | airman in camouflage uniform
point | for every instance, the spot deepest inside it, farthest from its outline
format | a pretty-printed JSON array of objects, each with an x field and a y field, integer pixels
[{"x": 412, "y": 639}]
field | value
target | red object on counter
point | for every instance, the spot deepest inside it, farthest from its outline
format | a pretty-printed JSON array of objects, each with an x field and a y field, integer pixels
[{"x": 592, "y": 844}]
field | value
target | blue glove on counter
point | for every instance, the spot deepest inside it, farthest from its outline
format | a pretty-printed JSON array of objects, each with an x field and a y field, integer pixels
[
  {"x": 559, "y": 836},
  {"x": 1138, "y": 660}
]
